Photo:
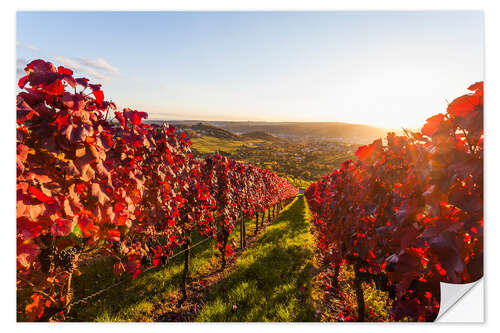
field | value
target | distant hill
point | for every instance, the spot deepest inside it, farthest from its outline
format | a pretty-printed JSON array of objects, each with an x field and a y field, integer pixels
[
  {"x": 204, "y": 129},
  {"x": 354, "y": 133},
  {"x": 216, "y": 132},
  {"x": 334, "y": 131},
  {"x": 260, "y": 135}
]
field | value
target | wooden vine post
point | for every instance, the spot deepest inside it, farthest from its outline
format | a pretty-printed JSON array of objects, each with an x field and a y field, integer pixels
[
  {"x": 359, "y": 292},
  {"x": 242, "y": 233},
  {"x": 225, "y": 236},
  {"x": 335, "y": 278},
  {"x": 69, "y": 293},
  {"x": 185, "y": 273},
  {"x": 256, "y": 222}
]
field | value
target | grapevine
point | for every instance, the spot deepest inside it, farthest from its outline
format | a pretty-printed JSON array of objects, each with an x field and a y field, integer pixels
[
  {"x": 91, "y": 186},
  {"x": 410, "y": 210}
]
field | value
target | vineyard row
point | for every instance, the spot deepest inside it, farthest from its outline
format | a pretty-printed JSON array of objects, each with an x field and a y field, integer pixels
[
  {"x": 408, "y": 214},
  {"x": 93, "y": 181}
]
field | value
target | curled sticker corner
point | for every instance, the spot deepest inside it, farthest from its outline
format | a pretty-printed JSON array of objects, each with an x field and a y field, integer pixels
[{"x": 454, "y": 295}]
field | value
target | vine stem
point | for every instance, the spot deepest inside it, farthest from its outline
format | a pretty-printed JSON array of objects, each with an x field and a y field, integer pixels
[
  {"x": 359, "y": 293},
  {"x": 41, "y": 292}
]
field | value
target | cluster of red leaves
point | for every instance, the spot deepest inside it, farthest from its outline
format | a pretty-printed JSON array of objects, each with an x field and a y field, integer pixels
[
  {"x": 240, "y": 190},
  {"x": 117, "y": 187},
  {"x": 411, "y": 208}
]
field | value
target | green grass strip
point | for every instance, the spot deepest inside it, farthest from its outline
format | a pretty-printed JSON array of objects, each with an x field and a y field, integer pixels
[
  {"x": 147, "y": 296},
  {"x": 272, "y": 279}
]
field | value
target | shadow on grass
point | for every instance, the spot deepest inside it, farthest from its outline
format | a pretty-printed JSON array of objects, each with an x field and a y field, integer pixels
[
  {"x": 146, "y": 297},
  {"x": 134, "y": 300},
  {"x": 272, "y": 280}
]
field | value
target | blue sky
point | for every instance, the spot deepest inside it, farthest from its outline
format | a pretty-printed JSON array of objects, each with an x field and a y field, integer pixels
[{"x": 389, "y": 69}]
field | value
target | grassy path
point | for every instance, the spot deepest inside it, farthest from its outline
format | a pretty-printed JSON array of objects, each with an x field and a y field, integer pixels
[
  {"x": 271, "y": 281},
  {"x": 148, "y": 296},
  {"x": 274, "y": 279}
]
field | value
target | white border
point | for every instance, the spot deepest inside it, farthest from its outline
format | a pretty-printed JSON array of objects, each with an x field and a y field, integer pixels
[{"x": 7, "y": 132}]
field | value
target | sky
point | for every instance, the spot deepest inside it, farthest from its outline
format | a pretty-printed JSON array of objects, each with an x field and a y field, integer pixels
[{"x": 386, "y": 69}]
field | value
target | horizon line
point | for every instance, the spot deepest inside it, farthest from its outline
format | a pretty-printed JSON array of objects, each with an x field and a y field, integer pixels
[{"x": 276, "y": 121}]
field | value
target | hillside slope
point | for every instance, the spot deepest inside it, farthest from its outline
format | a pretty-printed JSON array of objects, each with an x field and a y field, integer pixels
[
  {"x": 353, "y": 133},
  {"x": 336, "y": 131}
]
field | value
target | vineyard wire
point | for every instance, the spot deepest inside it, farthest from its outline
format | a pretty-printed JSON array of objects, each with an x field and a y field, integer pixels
[{"x": 89, "y": 297}]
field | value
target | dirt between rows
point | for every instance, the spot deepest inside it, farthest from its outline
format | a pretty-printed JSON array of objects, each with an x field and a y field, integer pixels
[{"x": 201, "y": 285}]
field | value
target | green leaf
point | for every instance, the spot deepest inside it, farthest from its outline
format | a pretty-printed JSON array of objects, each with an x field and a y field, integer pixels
[{"x": 77, "y": 232}]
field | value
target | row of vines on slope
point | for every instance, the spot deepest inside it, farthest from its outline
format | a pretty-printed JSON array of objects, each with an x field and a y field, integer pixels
[
  {"x": 116, "y": 187},
  {"x": 409, "y": 213}
]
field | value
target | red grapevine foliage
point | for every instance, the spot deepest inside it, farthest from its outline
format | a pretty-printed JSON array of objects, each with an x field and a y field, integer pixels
[
  {"x": 240, "y": 190},
  {"x": 409, "y": 213},
  {"x": 91, "y": 186}
]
